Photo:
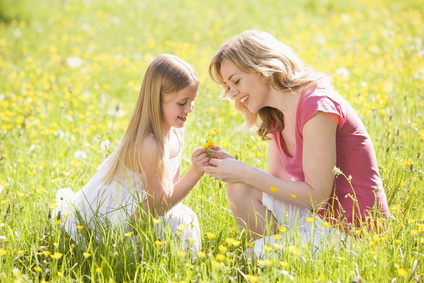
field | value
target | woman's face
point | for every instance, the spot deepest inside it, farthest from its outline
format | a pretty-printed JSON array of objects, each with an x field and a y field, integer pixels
[
  {"x": 176, "y": 106},
  {"x": 248, "y": 88}
]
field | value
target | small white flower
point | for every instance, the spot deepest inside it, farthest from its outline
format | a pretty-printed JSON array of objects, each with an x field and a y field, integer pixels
[
  {"x": 74, "y": 62},
  {"x": 16, "y": 271},
  {"x": 105, "y": 144},
  {"x": 80, "y": 155},
  {"x": 2, "y": 239},
  {"x": 343, "y": 72}
]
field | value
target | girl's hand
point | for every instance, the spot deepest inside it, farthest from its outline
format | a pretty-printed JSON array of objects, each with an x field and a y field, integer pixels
[
  {"x": 227, "y": 169},
  {"x": 199, "y": 158}
]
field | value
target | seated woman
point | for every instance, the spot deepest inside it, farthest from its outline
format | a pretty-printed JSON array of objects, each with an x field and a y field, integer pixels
[{"x": 315, "y": 138}]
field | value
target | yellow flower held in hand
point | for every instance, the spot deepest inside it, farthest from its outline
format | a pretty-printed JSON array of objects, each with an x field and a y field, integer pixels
[{"x": 273, "y": 189}]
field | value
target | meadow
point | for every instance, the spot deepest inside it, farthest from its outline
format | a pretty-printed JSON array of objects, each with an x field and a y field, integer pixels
[{"x": 70, "y": 73}]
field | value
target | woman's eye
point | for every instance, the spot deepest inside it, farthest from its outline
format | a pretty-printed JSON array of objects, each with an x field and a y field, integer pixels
[
  {"x": 236, "y": 82},
  {"x": 182, "y": 104}
]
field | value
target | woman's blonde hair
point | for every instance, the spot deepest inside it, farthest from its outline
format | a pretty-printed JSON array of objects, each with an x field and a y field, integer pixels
[
  {"x": 165, "y": 75},
  {"x": 256, "y": 51}
]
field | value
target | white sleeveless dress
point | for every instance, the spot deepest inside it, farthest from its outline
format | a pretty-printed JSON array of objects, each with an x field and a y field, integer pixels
[{"x": 95, "y": 206}]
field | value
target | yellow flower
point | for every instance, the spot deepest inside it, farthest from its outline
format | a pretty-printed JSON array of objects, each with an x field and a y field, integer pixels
[
  {"x": 210, "y": 235},
  {"x": 47, "y": 253},
  {"x": 37, "y": 269},
  {"x": 414, "y": 232},
  {"x": 250, "y": 245},
  {"x": 60, "y": 274},
  {"x": 181, "y": 254},
  {"x": 412, "y": 221},
  {"x": 79, "y": 227},
  {"x": 398, "y": 241},
  {"x": 273, "y": 189},
  {"x": 56, "y": 255},
  {"x": 293, "y": 196},
  {"x": 252, "y": 278},
  {"x": 178, "y": 233},
  {"x": 65, "y": 215},
  {"x": 3, "y": 252},
  {"x": 99, "y": 269},
  {"x": 266, "y": 262},
  {"x": 220, "y": 257},
  {"x": 402, "y": 272},
  {"x": 86, "y": 255},
  {"x": 191, "y": 240},
  {"x": 321, "y": 277},
  {"x": 156, "y": 221},
  {"x": 223, "y": 249},
  {"x": 294, "y": 250},
  {"x": 283, "y": 229},
  {"x": 376, "y": 239},
  {"x": 21, "y": 252},
  {"x": 309, "y": 220},
  {"x": 326, "y": 224},
  {"x": 422, "y": 240},
  {"x": 128, "y": 234},
  {"x": 159, "y": 243},
  {"x": 201, "y": 254},
  {"x": 278, "y": 246},
  {"x": 284, "y": 263},
  {"x": 421, "y": 227},
  {"x": 232, "y": 242},
  {"x": 277, "y": 237},
  {"x": 182, "y": 227}
]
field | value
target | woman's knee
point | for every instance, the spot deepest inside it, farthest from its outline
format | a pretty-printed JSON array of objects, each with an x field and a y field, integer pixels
[{"x": 240, "y": 193}]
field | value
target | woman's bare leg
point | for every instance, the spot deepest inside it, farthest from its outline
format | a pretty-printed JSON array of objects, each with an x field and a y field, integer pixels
[{"x": 250, "y": 214}]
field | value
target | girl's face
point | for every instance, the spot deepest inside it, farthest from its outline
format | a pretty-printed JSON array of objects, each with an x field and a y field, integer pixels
[
  {"x": 176, "y": 106},
  {"x": 249, "y": 88}
]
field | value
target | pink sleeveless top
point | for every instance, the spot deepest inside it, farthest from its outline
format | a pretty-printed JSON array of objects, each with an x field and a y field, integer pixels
[{"x": 355, "y": 157}]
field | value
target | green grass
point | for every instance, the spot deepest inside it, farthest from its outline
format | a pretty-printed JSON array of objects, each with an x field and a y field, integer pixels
[{"x": 48, "y": 111}]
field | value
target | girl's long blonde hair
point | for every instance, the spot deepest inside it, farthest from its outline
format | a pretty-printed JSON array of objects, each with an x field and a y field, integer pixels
[
  {"x": 166, "y": 74},
  {"x": 256, "y": 51}
]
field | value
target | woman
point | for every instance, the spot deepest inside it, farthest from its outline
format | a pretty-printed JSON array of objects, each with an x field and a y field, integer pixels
[{"x": 312, "y": 131}]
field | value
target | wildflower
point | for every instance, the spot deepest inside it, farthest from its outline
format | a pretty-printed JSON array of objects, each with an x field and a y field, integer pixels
[
  {"x": 284, "y": 264},
  {"x": 178, "y": 233},
  {"x": 218, "y": 264},
  {"x": 293, "y": 196},
  {"x": 128, "y": 234},
  {"x": 277, "y": 237},
  {"x": 2, "y": 239},
  {"x": 159, "y": 243},
  {"x": 340, "y": 258},
  {"x": 321, "y": 277},
  {"x": 56, "y": 255},
  {"x": 182, "y": 227},
  {"x": 398, "y": 242},
  {"x": 99, "y": 269},
  {"x": 283, "y": 229},
  {"x": 223, "y": 249},
  {"x": 220, "y": 257},
  {"x": 60, "y": 274},
  {"x": 181, "y": 254},
  {"x": 46, "y": 253},
  {"x": 189, "y": 265},
  {"x": 267, "y": 249},
  {"x": 309, "y": 219},
  {"x": 273, "y": 189},
  {"x": 191, "y": 240},
  {"x": 402, "y": 272},
  {"x": 156, "y": 221},
  {"x": 250, "y": 245},
  {"x": 372, "y": 244},
  {"x": 294, "y": 250},
  {"x": 21, "y": 252},
  {"x": 65, "y": 215},
  {"x": 304, "y": 247},
  {"x": 414, "y": 232},
  {"x": 411, "y": 221},
  {"x": 210, "y": 235},
  {"x": 266, "y": 262},
  {"x": 79, "y": 227},
  {"x": 53, "y": 206},
  {"x": 278, "y": 246},
  {"x": 326, "y": 224},
  {"x": 422, "y": 240},
  {"x": 376, "y": 239},
  {"x": 336, "y": 171},
  {"x": 3, "y": 252},
  {"x": 79, "y": 154},
  {"x": 16, "y": 272},
  {"x": 252, "y": 278},
  {"x": 37, "y": 269},
  {"x": 86, "y": 255},
  {"x": 421, "y": 227},
  {"x": 201, "y": 254}
]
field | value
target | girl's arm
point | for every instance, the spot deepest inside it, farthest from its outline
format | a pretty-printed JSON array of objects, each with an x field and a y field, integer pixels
[
  {"x": 319, "y": 159},
  {"x": 159, "y": 200}
]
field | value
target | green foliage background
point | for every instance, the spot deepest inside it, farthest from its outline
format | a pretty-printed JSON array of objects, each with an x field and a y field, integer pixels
[{"x": 70, "y": 73}]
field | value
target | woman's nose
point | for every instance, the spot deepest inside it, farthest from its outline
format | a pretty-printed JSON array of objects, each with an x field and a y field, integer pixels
[{"x": 233, "y": 92}]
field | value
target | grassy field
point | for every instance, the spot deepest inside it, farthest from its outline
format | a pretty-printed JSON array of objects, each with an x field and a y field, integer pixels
[{"x": 70, "y": 73}]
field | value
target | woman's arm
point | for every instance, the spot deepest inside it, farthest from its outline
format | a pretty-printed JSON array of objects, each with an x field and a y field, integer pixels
[{"x": 319, "y": 159}]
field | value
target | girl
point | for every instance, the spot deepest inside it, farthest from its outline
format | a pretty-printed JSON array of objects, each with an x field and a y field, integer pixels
[
  {"x": 311, "y": 129},
  {"x": 142, "y": 177}
]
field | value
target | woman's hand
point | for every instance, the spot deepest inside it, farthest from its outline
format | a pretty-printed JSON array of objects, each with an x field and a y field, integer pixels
[
  {"x": 227, "y": 170},
  {"x": 218, "y": 153}
]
